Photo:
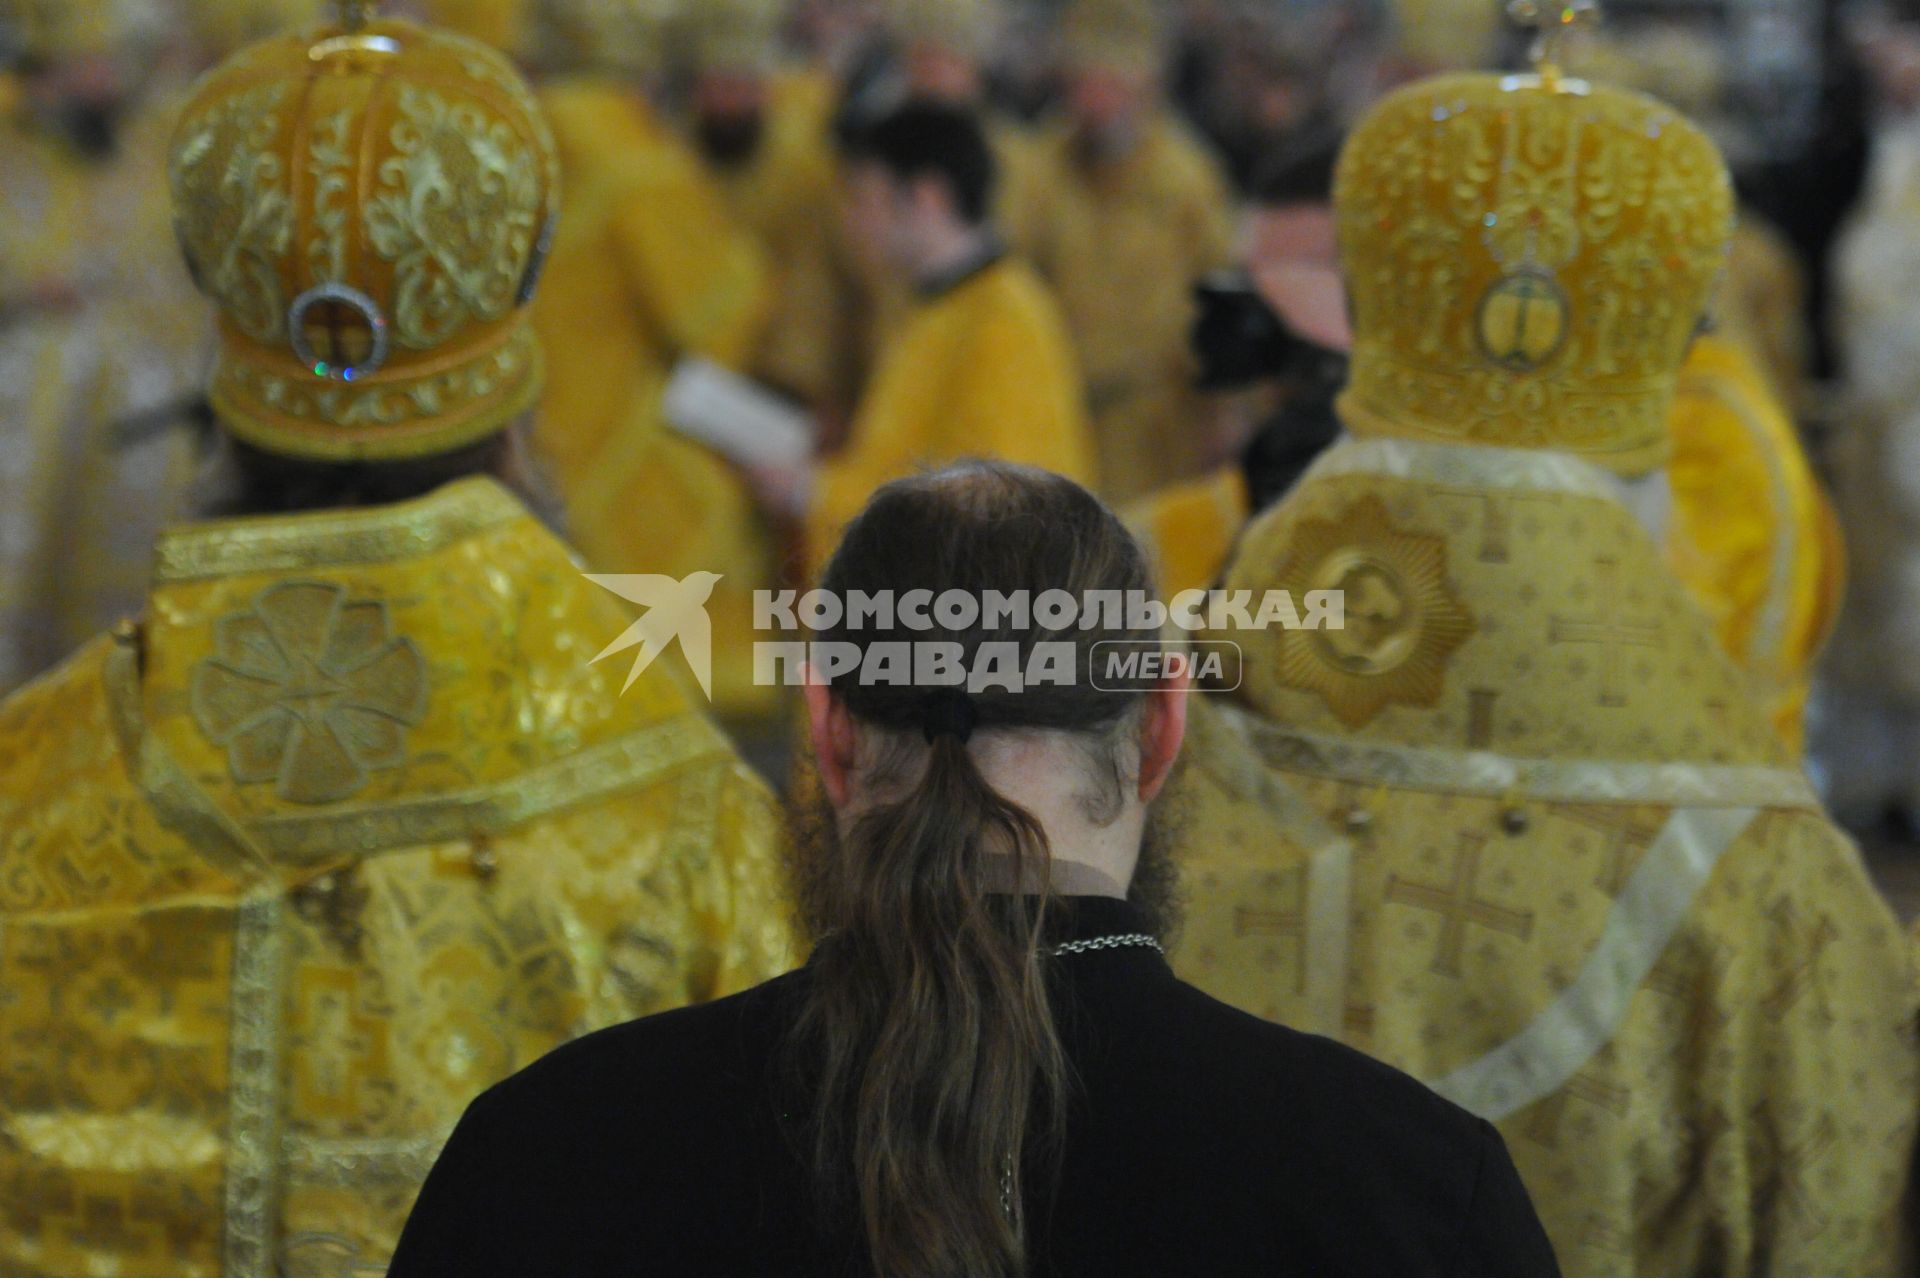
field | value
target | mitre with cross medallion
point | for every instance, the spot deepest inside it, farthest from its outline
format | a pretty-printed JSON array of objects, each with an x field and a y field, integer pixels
[
  {"x": 369, "y": 205},
  {"x": 1528, "y": 258}
]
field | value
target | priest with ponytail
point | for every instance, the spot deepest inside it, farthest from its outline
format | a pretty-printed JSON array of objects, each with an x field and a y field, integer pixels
[{"x": 986, "y": 1068}]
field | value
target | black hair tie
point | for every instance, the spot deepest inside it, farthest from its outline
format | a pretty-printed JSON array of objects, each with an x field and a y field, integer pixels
[{"x": 948, "y": 711}]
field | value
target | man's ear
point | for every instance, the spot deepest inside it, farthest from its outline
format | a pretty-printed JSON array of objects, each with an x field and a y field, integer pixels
[
  {"x": 1163, "y": 727},
  {"x": 831, "y": 730}
]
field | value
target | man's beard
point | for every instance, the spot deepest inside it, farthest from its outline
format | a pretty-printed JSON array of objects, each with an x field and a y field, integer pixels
[
  {"x": 820, "y": 891},
  {"x": 730, "y": 140}
]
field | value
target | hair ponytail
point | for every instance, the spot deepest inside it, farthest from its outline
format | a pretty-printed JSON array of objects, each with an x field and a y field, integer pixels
[
  {"x": 927, "y": 1035},
  {"x": 935, "y": 1039}
]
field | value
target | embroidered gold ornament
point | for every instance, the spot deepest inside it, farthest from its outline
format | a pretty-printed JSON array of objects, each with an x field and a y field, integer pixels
[
  {"x": 1402, "y": 616},
  {"x": 369, "y": 204},
  {"x": 1528, "y": 258}
]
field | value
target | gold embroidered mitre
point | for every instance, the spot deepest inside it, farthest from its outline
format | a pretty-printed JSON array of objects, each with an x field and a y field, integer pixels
[
  {"x": 1527, "y": 258},
  {"x": 370, "y": 206}
]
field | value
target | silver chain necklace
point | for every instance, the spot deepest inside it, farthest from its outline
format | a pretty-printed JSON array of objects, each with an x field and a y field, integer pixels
[{"x": 1109, "y": 943}]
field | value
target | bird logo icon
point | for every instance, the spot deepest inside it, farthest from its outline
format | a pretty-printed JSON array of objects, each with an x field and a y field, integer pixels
[{"x": 674, "y": 610}]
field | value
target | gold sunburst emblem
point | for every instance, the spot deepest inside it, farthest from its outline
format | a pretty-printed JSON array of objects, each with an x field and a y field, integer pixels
[{"x": 1403, "y": 621}]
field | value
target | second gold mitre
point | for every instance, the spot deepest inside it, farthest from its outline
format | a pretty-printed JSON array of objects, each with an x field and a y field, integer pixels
[
  {"x": 1528, "y": 258},
  {"x": 369, "y": 204}
]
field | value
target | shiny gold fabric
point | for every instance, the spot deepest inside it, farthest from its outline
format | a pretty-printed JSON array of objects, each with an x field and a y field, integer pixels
[
  {"x": 1122, "y": 242},
  {"x": 1518, "y": 830},
  {"x": 346, "y": 830},
  {"x": 648, "y": 268},
  {"x": 370, "y": 210},
  {"x": 982, "y": 370},
  {"x": 1753, "y": 537},
  {"x": 1583, "y": 226}
]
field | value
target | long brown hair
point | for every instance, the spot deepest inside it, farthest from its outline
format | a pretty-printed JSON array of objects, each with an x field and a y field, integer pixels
[{"x": 926, "y": 1035}]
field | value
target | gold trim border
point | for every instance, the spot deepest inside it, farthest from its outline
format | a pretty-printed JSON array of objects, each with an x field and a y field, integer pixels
[
  {"x": 633, "y": 760},
  {"x": 1490, "y": 775},
  {"x": 334, "y": 538}
]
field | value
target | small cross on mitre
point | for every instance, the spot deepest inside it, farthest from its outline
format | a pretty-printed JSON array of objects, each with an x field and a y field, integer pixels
[{"x": 1551, "y": 21}]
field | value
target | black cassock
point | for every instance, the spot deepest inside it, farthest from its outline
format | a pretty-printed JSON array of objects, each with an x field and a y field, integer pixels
[{"x": 1201, "y": 1141}]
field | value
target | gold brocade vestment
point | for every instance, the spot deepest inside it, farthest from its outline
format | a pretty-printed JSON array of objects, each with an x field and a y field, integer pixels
[
  {"x": 1518, "y": 830},
  {"x": 345, "y": 831}
]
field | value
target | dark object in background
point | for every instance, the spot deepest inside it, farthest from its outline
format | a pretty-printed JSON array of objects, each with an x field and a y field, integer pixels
[{"x": 1241, "y": 343}]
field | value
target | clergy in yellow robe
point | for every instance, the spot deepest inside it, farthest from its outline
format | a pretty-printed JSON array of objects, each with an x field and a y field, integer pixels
[
  {"x": 983, "y": 368},
  {"x": 765, "y": 131},
  {"x": 1125, "y": 210},
  {"x": 1518, "y": 827},
  {"x": 345, "y": 827},
  {"x": 1753, "y": 536},
  {"x": 102, "y": 340},
  {"x": 942, "y": 45},
  {"x": 648, "y": 267}
]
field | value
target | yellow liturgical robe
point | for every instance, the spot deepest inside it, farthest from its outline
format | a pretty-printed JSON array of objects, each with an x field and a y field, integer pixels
[
  {"x": 1519, "y": 830},
  {"x": 1122, "y": 244},
  {"x": 344, "y": 831},
  {"x": 120, "y": 336},
  {"x": 649, "y": 267},
  {"x": 983, "y": 368},
  {"x": 879, "y": 297},
  {"x": 1754, "y": 537},
  {"x": 788, "y": 194}
]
